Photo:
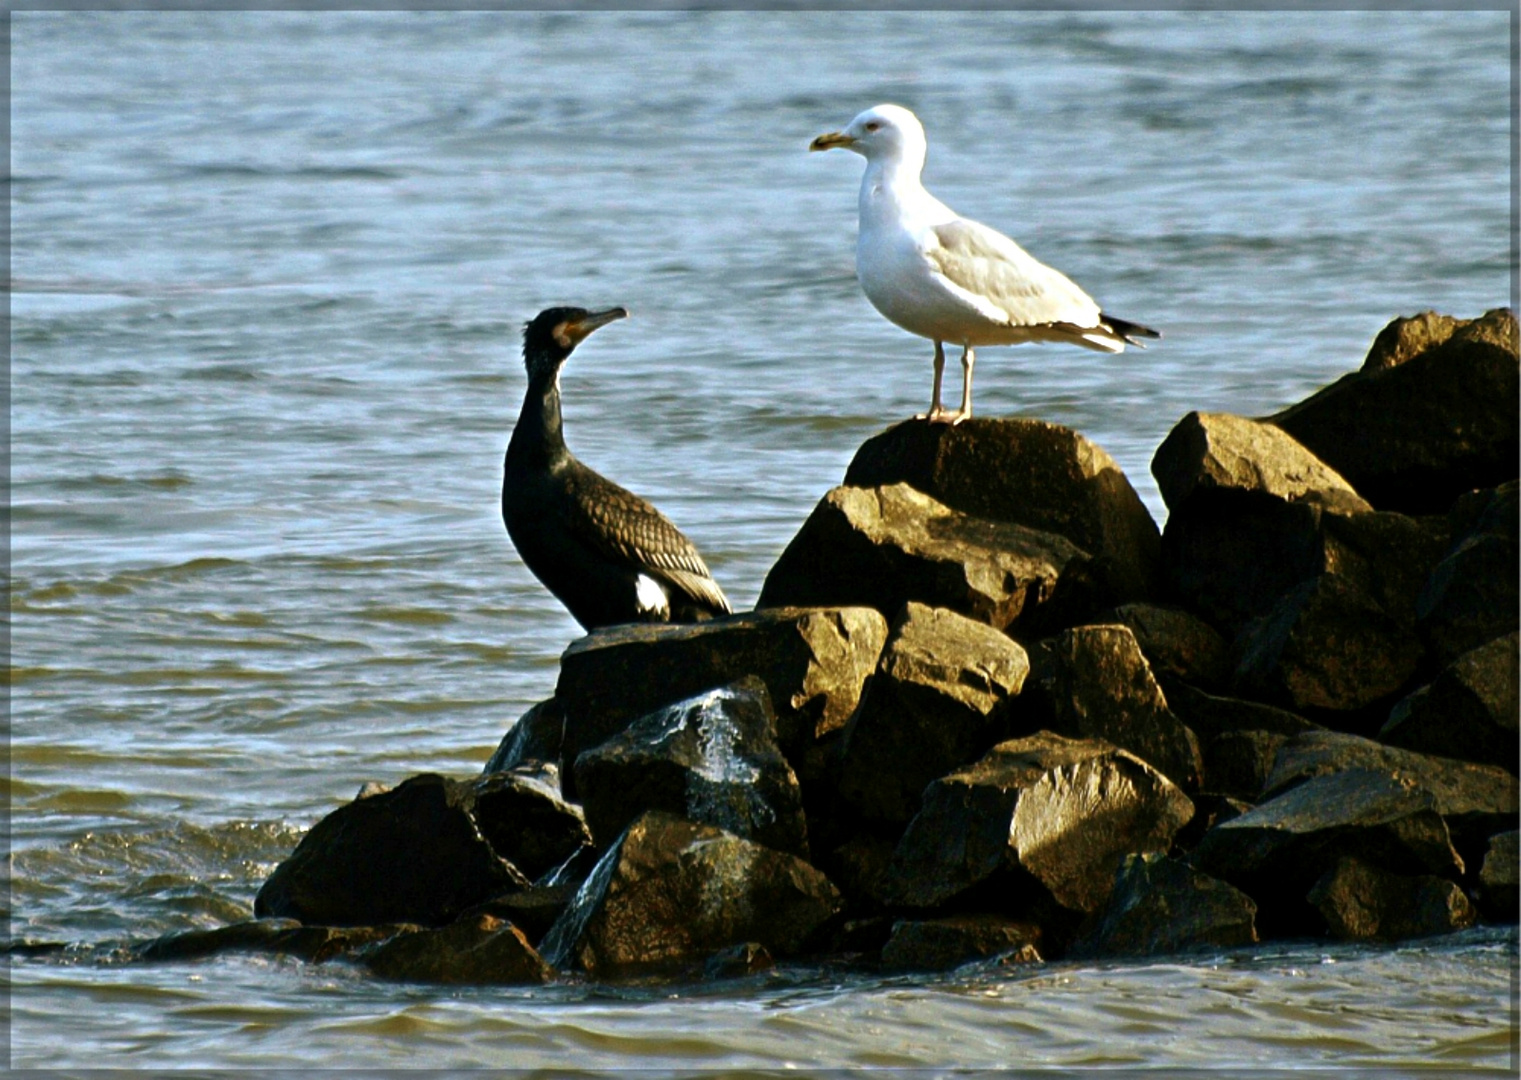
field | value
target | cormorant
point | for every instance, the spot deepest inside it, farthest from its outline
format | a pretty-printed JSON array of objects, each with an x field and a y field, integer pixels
[
  {"x": 949, "y": 278},
  {"x": 609, "y": 556}
]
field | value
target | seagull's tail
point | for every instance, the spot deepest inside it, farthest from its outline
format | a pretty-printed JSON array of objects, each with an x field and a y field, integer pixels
[{"x": 1128, "y": 330}]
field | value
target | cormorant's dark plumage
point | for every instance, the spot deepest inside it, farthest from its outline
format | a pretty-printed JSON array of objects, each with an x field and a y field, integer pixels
[{"x": 609, "y": 556}]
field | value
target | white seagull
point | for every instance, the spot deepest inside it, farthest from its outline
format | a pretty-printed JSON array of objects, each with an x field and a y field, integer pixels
[{"x": 949, "y": 278}]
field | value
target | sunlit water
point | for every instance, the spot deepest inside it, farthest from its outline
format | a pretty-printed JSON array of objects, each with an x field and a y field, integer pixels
[{"x": 270, "y": 272}]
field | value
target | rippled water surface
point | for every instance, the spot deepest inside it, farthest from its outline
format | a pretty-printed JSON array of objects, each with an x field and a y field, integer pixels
[{"x": 269, "y": 274}]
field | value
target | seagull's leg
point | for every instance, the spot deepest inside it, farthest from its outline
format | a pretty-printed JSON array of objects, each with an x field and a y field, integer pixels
[
  {"x": 968, "y": 358},
  {"x": 936, "y": 409}
]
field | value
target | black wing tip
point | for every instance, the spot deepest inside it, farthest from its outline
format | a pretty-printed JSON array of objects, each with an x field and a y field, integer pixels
[{"x": 1130, "y": 331}]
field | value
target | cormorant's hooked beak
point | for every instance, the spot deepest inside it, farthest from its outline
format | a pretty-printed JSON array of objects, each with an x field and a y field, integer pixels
[
  {"x": 570, "y": 334},
  {"x": 832, "y": 140}
]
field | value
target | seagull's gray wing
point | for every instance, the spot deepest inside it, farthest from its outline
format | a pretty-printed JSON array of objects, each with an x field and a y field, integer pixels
[{"x": 1003, "y": 281}]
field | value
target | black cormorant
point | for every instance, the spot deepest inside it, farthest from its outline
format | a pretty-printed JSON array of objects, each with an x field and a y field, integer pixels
[{"x": 609, "y": 556}]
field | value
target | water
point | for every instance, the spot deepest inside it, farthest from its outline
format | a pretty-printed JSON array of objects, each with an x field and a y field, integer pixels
[{"x": 270, "y": 271}]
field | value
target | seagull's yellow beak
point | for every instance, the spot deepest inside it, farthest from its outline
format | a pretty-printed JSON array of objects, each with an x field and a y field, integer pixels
[{"x": 832, "y": 140}]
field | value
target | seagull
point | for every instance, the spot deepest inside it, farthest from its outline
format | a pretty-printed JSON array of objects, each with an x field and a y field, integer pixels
[
  {"x": 949, "y": 278},
  {"x": 609, "y": 556}
]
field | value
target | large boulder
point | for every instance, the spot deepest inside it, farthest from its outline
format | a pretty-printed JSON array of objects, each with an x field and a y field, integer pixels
[
  {"x": 1499, "y": 890},
  {"x": 1388, "y": 557},
  {"x": 479, "y": 950},
  {"x": 1209, "y": 715},
  {"x": 1327, "y": 650},
  {"x": 939, "y": 699},
  {"x": 1360, "y": 902},
  {"x": 411, "y": 854},
  {"x": 1213, "y": 452},
  {"x": 533, "y": 740},
  {"x": 884, "y": 546},
  {"x": 1027, "y": 472},
  {"x": 1064, "y": 811},
  {"x": 522, "y": 815},
  {"x": 1093, "y": 682},
  {"x": 712, "y": 759},
  {"x": 1162, "y": 905},
  {"x": 277, "y": 937},
  {"x": 1473, "y": 594},
  {"x": 1414, "y": 436},
  {"x": 941, "y": 944},
  {"x": 1406, "y": 338},
  {"x": 814, "y": 662},
  {"x": 670, "y": 893},
  {"x": 1276, "y": 852},
  {"x": 1177, "y": 644},
  {"x": 1469, "y": 711}
]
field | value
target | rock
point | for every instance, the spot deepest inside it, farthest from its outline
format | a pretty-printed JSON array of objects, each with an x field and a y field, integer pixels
[
  {"x": 1499, "y": 896},
  {"x": 1210, "y": 809},
  {"x": 483, "y": 950},
  {"x": 941, "y": 944},
  {"x": 813, "y": 661},
  {"x": 711, "y": 759},
  {"x": 1360, "y": 902},
  {"x": 737, "y": 961},
  {"x": 1469, "y": 711},
  {"x": 1026, "y": 472},
  {"x": 1388, "y": 557},
  {"x": 1093, "y": 682},
  {"x": 1326, "y": 649},
  {"x": 532, "y": 910},
  {"x": 523, "y": 817},
  {"x": 1474, "y": 800},
  {"x": 1406, "y": 338},
  {"x": 1276, "y": 852},
  {"x": 1176, "y": 644},
  {"x": 1413, "y": 437},
  {"x": 1212, "y": 452},
  {"x": 1162, "y": 905},
  {"x": 1229, "y": 555},
  {"x": 534, "y": 738},
  {"x": 885, "y": 546},
  {"x": 1238, "y": 763},
  {"x": 858, "y": 867},
  {"x": 1065, "y": 811},
  {"x": 1472, "y": 595},
  {"x": 938, "y": 700},
  {"x": 280, "y": 937},
  {"x": 411, "y": 854},
  {"x": 1209, "y": 715},
  {"x": 669, "y": 893}
]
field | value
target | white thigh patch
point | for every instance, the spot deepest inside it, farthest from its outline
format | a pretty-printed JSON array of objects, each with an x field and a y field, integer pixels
[{"x": 650, "y": 596}]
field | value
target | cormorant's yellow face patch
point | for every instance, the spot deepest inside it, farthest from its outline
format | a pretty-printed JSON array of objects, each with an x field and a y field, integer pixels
[{"x": 567, "y": 333}]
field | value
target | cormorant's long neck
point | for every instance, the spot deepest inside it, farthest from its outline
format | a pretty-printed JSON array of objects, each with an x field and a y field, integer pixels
[{"x": 538, "y": 440}]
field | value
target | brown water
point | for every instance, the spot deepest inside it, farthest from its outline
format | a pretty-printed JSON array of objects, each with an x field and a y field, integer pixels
[{"x": 271, "y": 270}]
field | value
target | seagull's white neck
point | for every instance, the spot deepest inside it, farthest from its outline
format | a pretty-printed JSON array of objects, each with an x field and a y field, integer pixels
[{"x": 892, "y": 191}]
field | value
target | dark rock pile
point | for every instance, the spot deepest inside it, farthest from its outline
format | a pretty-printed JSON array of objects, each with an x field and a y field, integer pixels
[{"x": 986, "y": 709}]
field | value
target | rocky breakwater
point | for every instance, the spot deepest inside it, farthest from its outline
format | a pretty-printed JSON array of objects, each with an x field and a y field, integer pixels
[{"x": 987, "y": 709}]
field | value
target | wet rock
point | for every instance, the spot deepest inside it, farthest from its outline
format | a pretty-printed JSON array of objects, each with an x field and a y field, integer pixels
[
  {"x": 813, "y": 661},
  {"x": 523, "y": 817},
  {"x": 1473, "y": 594},
  {"x": 858, "y": 867},
  {"x": 1238, "y": 763},
  {"x": 737, "y": 961},
  {"x": 1093, "y": 682},
  {"x": 711, "y": 759},
  {"x": 280, "y": 937},
  {"x": 1498, "y": 892},
  {"x": 1212, "y": 452},
  {"x": 1176, "y": 645},
  {"x": 1026, "y": 472},
  {"x": 937, "y": 701},
  {"x": 532, "y": 910},
  {"x": 481, "y": 950},
  {"x": 1065, "y": 811},
  {"x": 1163, "y": 905},
  {"x": 941, "y": 944},
  {"x": 1276, "y": 852},
  {"x": 1470, "y": 711},
  {"x": 1324, "y": 649},
  {"x": 885, "y": 546},
  {"x": 535, "y": 738},
  {"x": 411, "y": 854},
  {"x": 669, "y": 893},
  {"x": 1475, "y": 800},
  {"x": 1211, "y": 715},
  {"x": 1360, "y": 902},
  {"x": 1413, "y": 437}
]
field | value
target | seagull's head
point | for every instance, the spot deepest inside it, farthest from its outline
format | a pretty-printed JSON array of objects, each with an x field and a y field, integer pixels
[
  {"x": 886, "y": 131},
  {"x": 554, "y": 333}
]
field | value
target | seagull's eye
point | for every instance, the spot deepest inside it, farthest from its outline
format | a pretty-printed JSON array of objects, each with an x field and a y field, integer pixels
[{"x": 873, "y": 126}]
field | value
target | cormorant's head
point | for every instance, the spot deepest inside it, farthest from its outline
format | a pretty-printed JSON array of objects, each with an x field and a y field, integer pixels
[{"x": 555, "y": 332}]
